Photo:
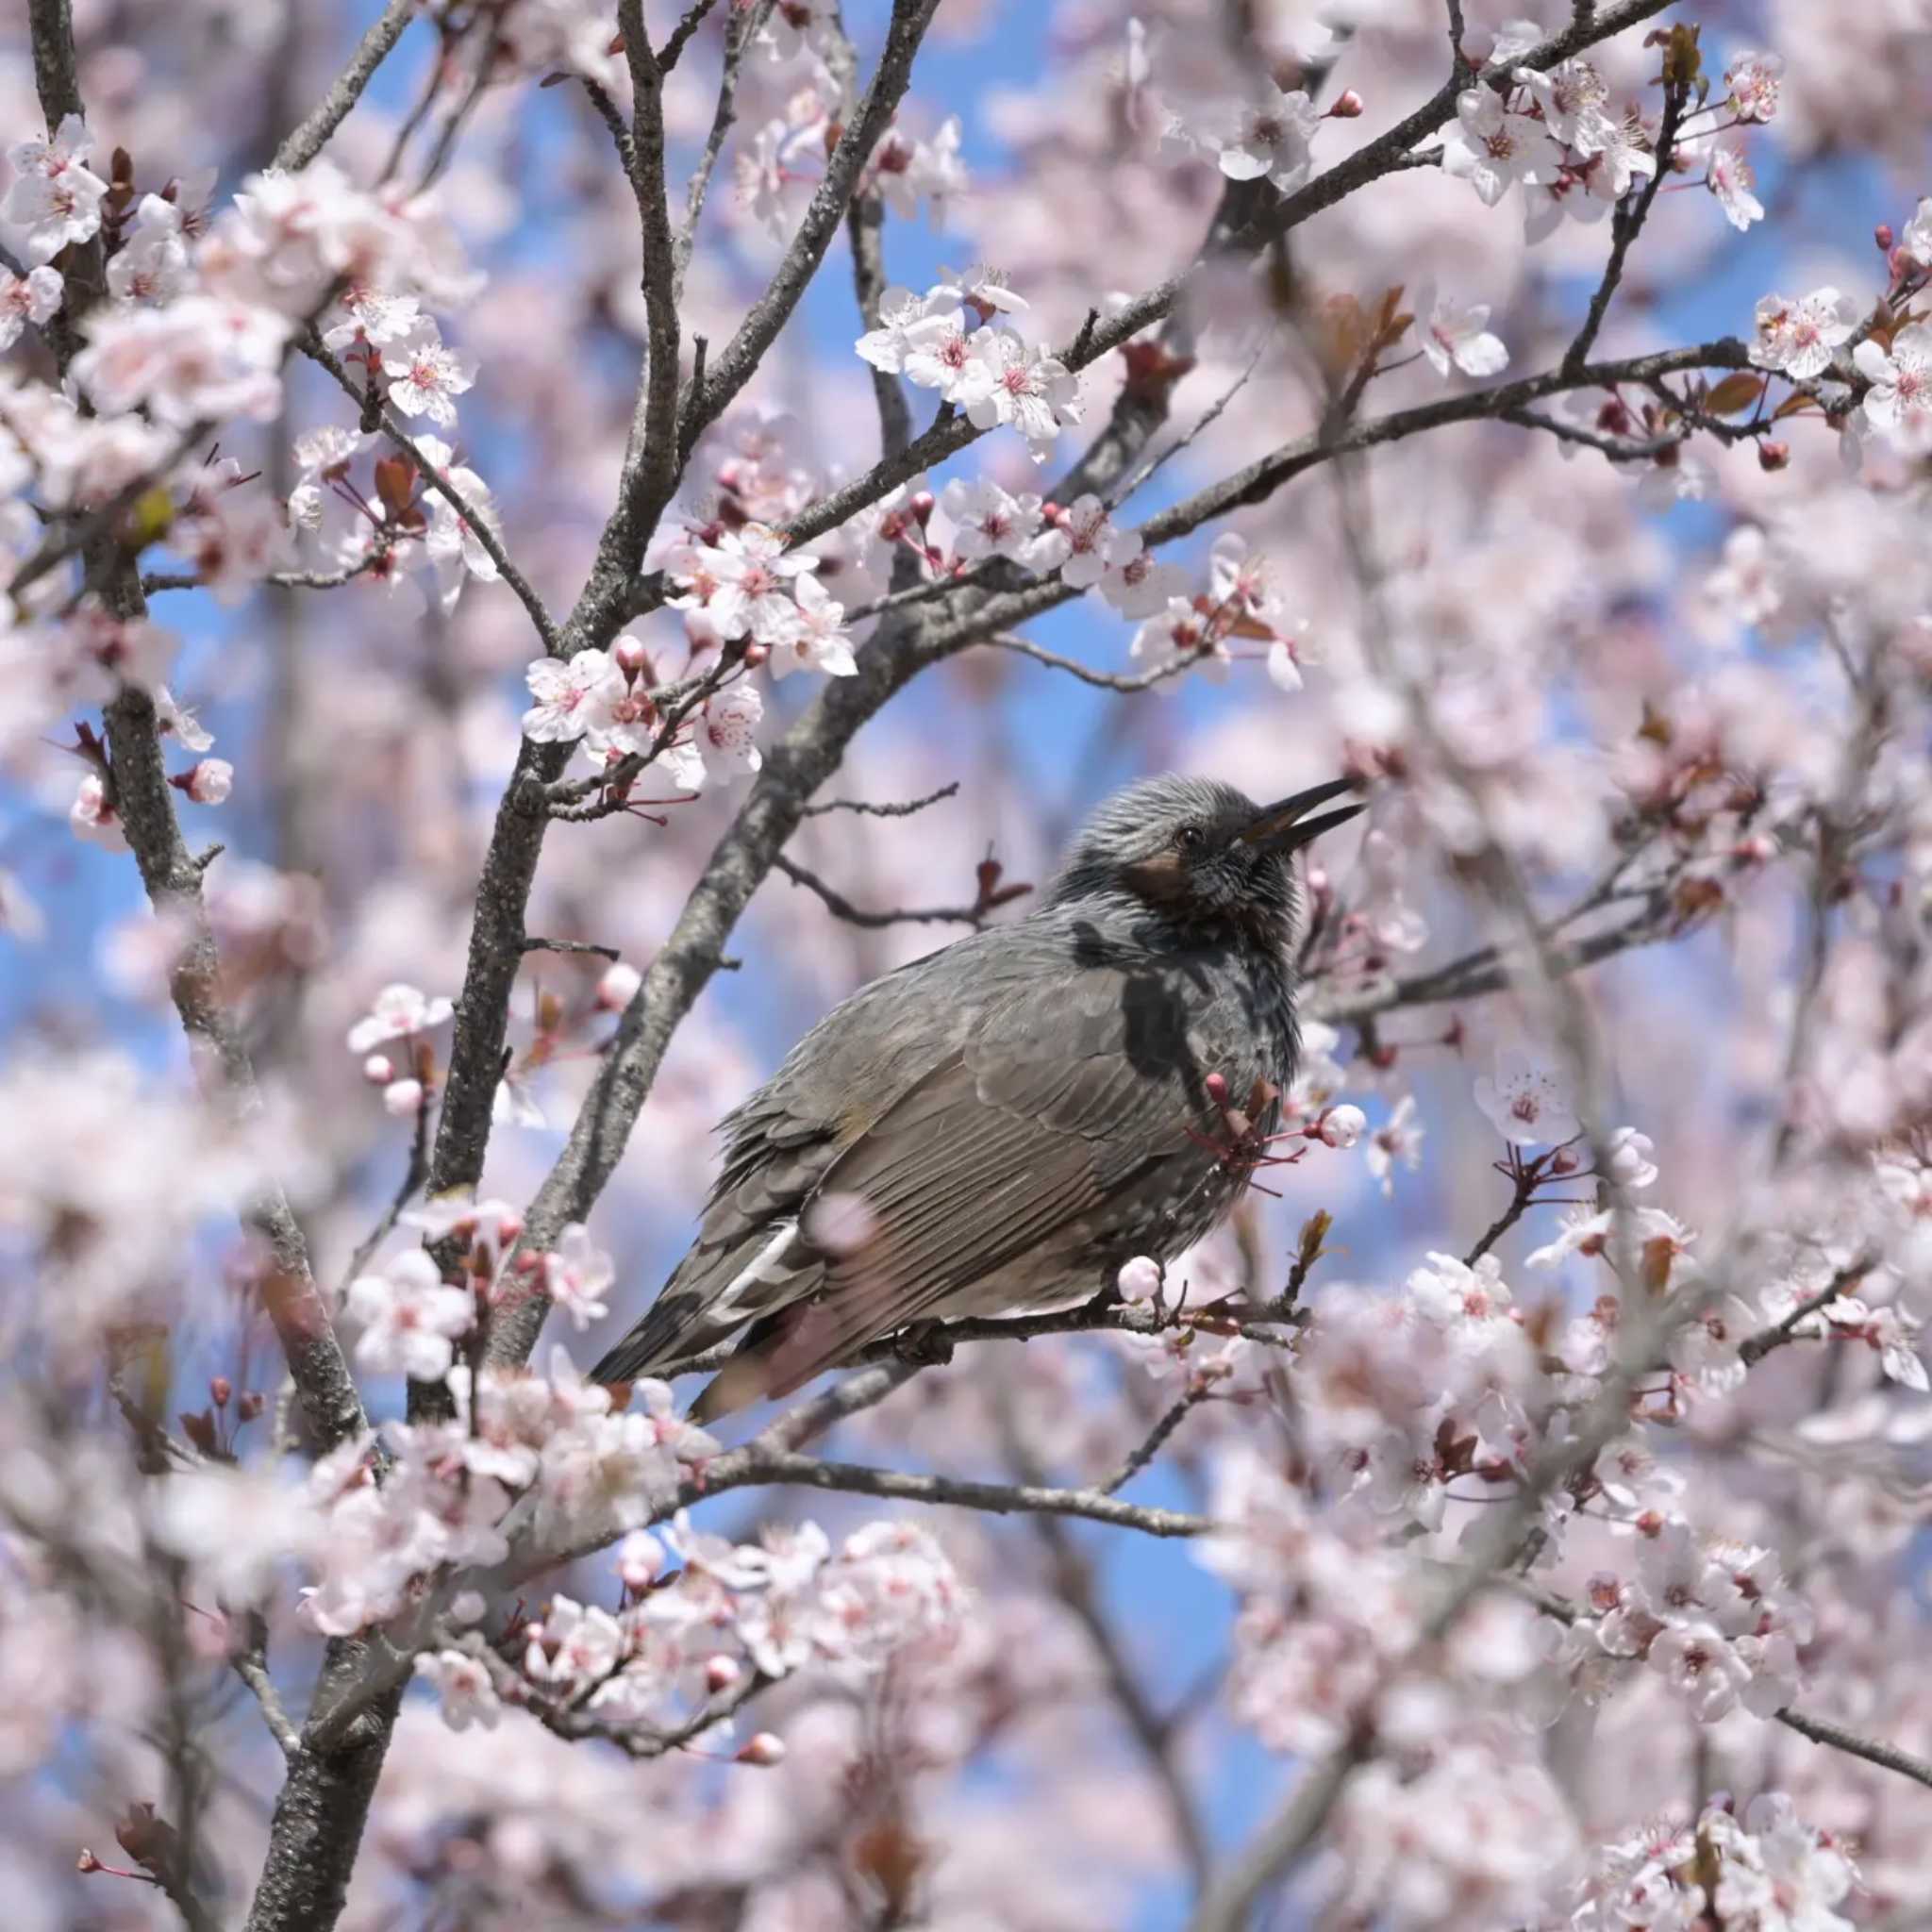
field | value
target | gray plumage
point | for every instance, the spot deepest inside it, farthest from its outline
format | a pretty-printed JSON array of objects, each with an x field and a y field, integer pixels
[{"x": 997, "y": 1126}]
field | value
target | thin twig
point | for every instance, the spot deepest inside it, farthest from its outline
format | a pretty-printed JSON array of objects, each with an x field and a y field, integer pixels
[
  {"x": 1758, "y": 1346},
  {"x": 1158, "y": 1438},
  {"x": 317, "y": 351},
  {"x": 251, "y": 1666},
  {"x": 1626, "y": 225},
  {"x": 868, "y": 810},
  {"x": 842, "y": 908},
  {"x": 1887, "y": 1756}
]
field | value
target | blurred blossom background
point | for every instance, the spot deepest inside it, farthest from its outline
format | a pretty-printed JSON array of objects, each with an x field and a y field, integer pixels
[{"x": 1654, "y": 677}]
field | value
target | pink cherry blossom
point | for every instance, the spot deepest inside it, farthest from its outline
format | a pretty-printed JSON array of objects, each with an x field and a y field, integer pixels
[{"x": 1527, "y": 1103}]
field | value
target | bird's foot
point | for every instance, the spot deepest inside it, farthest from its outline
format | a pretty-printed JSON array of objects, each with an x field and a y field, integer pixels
[{"x": 925, "y": 1345}]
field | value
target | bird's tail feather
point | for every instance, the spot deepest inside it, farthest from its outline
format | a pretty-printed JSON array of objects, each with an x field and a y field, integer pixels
[{"x": 710, "y": 1299}]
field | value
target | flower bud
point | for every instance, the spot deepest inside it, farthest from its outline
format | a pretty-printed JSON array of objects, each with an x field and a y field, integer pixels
[
  {"x": 628, "y": 655},
  {"x": 721, "y": 1673},
  {"x": 210, "y": 781},
  {"x": 1348, "y": 105},
  {"x": 467, "y": 1606},
  {"x": 639, "y": 1559},
  {"x": 250, "y": 1406},
  {"x": 922, "y": 506},
  {"x": 763, "y": 1749},
  {"x": 220, "y": 1389},
  {"x": 1774, "y": 455},
  {"x": 1139, "y": 1280},
  {"x": 87, "y": 1862},
  {"x": 1883, "y": 236},
  {"x": 403, "y": 1098},
  {"x": 377, "y": 1071},
  {"x": 1340, "y": 1127}
]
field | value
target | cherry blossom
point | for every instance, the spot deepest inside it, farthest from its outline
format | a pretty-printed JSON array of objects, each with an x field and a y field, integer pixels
[
  {"x": 1899, "y": 401},
  {"x": 54, "y": 195},
  {"x": 1527, "y": 1103},
  {"x": 749, "y": 574},
  {"x": 200, "y": 357},
  {"x": 814, "y": 636},
  {"x": 411, "y": 1317},
  {"x": 1796, "y": 338},
  {"x": 34, "y": 297},
  {"x": 1010, "y": 384},
  {"x": 1270, "y": 134},
  {"x": 425, "y": 376},
  {"x": 568, "y": 694},
  {"x": 1398, "y": 1139},
  {"x": 1727, "y": 175},
  {"x": 1456, "y": 336},
  {"x": 726, "y": 730},
  {"x": 1574, "y": 98},
  {"x": 576, "y": 1275},
  {"x": 1490, "y": 145},
  {"x": 990, "y": 521},
  {"x": 1754, "y": 80},
  {"x": 399, "y": 1012},
  {"x": 152, "y": 264}
]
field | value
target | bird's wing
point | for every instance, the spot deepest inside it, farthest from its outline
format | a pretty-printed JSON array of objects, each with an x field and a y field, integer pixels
[
  {"x": 749, "y": 1258},
  {"x": 1053, "y": 1111}
]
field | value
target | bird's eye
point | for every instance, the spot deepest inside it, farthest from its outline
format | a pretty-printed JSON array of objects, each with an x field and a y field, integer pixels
[{"x": 1190, "y": 837}]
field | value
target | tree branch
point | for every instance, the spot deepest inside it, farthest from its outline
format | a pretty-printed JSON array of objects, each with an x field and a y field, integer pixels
[
  {"x": 772, "y": 309},
  {"x": 842, "y": 908},
  {"x": 317, "y": 351},
  {"x": 313, "y": 136},
  {"x": 1887, "y": 1756}
]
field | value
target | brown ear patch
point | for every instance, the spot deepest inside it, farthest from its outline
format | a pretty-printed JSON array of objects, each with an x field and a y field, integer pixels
[{"x": 1160, "y": 880}]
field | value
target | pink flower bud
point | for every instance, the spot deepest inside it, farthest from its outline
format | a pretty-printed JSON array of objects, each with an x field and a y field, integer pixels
[
  {"x": 1348, "y": 105},
  {"x": 220, "y": 1389},
  {"x": 617, "y": 987},
  {"x": 638, "y": 1559},
  {"x": 403, "y": 1098},
  {"x": 1884, "y": 237},
  {"x": 87, "y": 1862},
  {"x": 629, "y": 657},
  {"x": 377, "y": 1071},
  {"x": 921, "y": 507},
  {"x": 210, "y": 781},
  {"x": 1139, "y": 1280},
  {"x": 1774, "y": 455},
  {"x": 764, "y": 1749},
  {"x": 721, "y": 1673},
  {"x": 1217, "y": 1088},
  {"x": 250, "y": 1406},
  {"x": 1340, "y": 1127}
]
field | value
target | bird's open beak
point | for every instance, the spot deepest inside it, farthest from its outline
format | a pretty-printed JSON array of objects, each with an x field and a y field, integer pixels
[{"x": 1287, "y": 826}]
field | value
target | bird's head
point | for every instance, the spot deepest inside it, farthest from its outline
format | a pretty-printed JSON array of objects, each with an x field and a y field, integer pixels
[{"x": 1198, "y": 853}]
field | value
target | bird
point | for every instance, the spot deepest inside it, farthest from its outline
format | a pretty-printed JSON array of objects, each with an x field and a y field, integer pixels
[{"x": 997, "y": 1127}]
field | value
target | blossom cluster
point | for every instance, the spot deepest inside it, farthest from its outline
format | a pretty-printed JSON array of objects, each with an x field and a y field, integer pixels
[
  {"x": 947, "y": 341},
  {"x": 724, "y": 1620},
  {"x": 1764, "y": 1868}
]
